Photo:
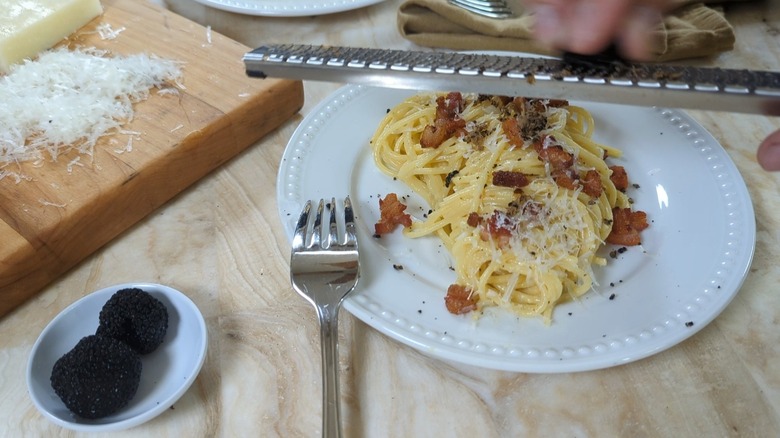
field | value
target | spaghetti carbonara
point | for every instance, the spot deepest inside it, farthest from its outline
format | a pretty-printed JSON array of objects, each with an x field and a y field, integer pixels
[{"x": 518, "y": 191}]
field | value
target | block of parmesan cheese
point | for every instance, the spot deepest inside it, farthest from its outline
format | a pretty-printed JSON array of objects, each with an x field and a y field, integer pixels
[{"x": 28, "y": 27}]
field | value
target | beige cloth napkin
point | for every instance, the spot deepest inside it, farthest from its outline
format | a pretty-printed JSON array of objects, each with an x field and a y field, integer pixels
[{"x": 691, "y": 30}]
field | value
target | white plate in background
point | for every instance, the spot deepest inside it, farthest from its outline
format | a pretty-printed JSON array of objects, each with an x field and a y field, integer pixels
[{"x": 287, "y": 8}]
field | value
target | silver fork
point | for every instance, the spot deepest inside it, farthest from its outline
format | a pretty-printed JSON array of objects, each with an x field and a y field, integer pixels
[
  {"x": 325, "y": 272},
  {"x": 487, "y": 8}
]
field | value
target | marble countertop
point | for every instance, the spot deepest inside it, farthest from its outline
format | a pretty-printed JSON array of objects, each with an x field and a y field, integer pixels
[{"x": 262, "y": 373}]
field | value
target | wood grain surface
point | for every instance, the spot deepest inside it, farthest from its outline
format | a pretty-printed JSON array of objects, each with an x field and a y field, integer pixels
[{"x": 54, "y": 215}]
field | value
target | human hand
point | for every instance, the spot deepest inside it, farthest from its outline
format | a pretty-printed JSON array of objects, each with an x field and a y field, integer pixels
[{"x": 589, "y": 26}]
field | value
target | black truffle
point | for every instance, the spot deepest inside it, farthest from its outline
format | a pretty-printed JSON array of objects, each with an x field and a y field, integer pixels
[
  {"x": 99, "y": 376},
  {"x": 136, "y": 318}
]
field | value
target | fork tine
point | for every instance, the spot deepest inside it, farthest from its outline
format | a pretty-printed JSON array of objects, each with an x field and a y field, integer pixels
[
  {"x": 485, "y": 3},
  {"x": 349, "y": 223},
  {"x": 333, "y": 238},
  {"x": 491, "y": 9},
  {"x": 317, "y": 229},
  {"x": 299, "y": 240}
]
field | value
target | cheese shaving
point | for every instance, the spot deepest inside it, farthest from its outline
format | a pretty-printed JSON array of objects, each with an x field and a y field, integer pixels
[
  {"x": 128, "y": 147},
  {"x": 66, "y": 100},
  {"x": 208, "y": 37},
  {"x": 107, "y": 32},
  {"x": 17, "y": 177},
  {"x": 74, "y": 162},
  {"x": 165, "y": 91},
  {"x": 46, "y": 203}
]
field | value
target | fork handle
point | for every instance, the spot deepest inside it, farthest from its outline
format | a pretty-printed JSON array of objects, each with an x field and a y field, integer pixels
[{"x": 329, "y": 338}]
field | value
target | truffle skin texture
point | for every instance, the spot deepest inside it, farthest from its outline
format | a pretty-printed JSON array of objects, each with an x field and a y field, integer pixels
[
  {"x": 98, "y": 377},
  {"x": 136, "y": 318}
]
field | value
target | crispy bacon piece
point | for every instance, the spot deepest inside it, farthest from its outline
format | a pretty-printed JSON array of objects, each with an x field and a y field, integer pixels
[
  {"x": 557, "y": 103},
  {"x": 474, "y": 219},
  {"x": 626, "y": 226},
  {"x": 538, "y": 143},
  {"x": 556, "y": 157},
  {"x": 447, "y": 121},
  {"x": 552, "y": 153},
  {"x": 434, "y": 135},
  {"x": 619, "y": 177},
  {"x": 499, "y": 227},
  {"x": 512, "y": 131},
  {"x": 500, "y": 100},
  {"x": 537, "y": 105},
  {"x": 505, "y": 178},
  {"x": 392, "y": 214},
  {"x": 591, "y": 184},
  {"x": 565, "y": 178},
  {"x": 519, "y": 102},
  {"x": 459, "y": 300},
  {"x": 449, "y": 107}
]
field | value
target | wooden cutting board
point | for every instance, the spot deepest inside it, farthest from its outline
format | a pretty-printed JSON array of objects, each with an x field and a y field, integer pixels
[{"x": 51, "y": 219}]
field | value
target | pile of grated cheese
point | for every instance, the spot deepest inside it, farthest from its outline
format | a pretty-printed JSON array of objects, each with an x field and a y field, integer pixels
[{"x": 68, "y": 99}]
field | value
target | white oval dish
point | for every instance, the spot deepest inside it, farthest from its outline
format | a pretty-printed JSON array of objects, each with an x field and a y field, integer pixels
[{"x": 167, "y": 372}]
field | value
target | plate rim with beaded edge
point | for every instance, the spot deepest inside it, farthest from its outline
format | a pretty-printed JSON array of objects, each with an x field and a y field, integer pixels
[
  {"x": 288, "y": 8},
  {"x": 167, "y": 372},
  {"x": 694, "y": 257}
]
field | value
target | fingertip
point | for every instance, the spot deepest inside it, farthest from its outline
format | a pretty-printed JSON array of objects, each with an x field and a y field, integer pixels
[
  {"x": 636, "y": 37},
  {"x": 548, "y": 25},
  {"x": 594, "y": 25},
  {"x": 768, "y": 154}
]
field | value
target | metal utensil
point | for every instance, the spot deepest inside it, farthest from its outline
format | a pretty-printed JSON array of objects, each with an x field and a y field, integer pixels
[
  {"x": 325, "y": 272},
  {"x": 497, "y": 9},
  {"x": 746, "y": 91}
]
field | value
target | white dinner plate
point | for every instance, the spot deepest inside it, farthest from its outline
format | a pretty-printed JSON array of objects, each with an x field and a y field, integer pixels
[
  {"x": 695, "y": 254},
  {"x": 167, "y": 372},
  {"x": 287, "y": 8}
]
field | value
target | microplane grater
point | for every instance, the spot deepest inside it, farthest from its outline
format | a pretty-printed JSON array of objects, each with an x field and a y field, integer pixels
[{"x": 597, "y": 80}]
